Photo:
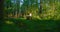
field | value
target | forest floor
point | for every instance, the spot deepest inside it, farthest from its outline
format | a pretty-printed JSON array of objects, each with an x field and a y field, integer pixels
[{"x": 35, "y": 25}]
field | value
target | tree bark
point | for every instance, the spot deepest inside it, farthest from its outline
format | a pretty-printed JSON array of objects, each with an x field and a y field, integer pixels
[
  {"x": 1, "y": 14},
  {"x": 40, "y": 6},
  {"x": 18, "y": 7}
]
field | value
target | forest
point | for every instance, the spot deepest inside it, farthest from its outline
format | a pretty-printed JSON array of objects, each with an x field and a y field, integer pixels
[{"x": 30, "y": 15}]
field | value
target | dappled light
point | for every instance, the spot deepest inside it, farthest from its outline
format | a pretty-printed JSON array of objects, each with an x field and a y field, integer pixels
[{"x": 9, "y": 22}]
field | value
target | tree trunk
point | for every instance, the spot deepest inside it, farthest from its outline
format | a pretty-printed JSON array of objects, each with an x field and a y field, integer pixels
[
  {"x": 1, "y": 14},
  {"x": 18, "y": 7},
  {"x": 40, "y": 6}
]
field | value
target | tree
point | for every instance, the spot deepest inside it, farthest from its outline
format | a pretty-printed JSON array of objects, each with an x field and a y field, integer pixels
[
  {"x": 8, "y": 7},
  {"x": 40, "y": 6},
  {"x": 1, "y": 14},
  {"x": 17, "y": 7}
]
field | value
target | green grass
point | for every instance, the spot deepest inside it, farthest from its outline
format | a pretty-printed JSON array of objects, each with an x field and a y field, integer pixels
[{"x": 35, "y": 25}]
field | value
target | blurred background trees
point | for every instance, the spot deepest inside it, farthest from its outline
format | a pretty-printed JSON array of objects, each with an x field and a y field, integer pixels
[
  {"x": 13, "y": 14},
  {"x": 41, "y": 9}
]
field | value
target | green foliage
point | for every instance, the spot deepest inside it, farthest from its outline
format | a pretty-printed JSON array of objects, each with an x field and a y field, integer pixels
[
  {"x": 35, "y": 25},
  {"x": 44, "y": 22},
  {"x": 50, "y": 8}
]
